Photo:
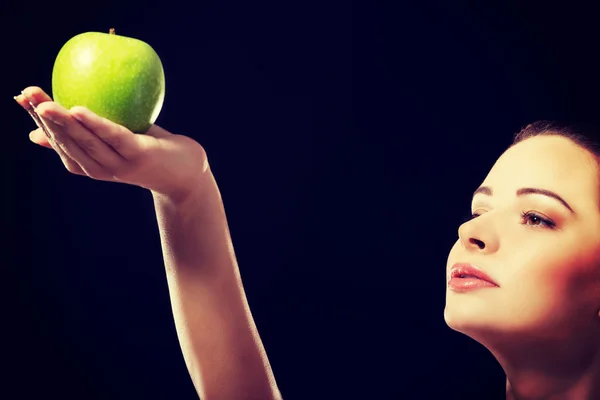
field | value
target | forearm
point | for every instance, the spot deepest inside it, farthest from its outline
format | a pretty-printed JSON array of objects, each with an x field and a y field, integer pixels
[{"x": 220, "y": 343}]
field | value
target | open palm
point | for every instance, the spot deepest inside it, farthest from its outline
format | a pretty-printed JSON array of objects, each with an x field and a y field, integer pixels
[{"x": 93, "y": 146}]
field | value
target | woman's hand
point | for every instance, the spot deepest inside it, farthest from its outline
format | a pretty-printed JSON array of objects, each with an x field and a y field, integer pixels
[{"x": 165, "y": 163}]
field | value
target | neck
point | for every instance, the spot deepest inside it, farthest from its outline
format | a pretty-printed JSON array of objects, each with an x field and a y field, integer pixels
[
  {"x": 557, "y": 372},
  {"x": 539, "y": 386}
]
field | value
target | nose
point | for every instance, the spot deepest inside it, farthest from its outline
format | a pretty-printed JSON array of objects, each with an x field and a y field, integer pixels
[
  {"x": 479, "y": 243},
  {"x": 478, "y": 235}
]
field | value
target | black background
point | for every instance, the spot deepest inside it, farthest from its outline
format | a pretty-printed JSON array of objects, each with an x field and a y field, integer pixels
[{"x": 346, "y": 138}]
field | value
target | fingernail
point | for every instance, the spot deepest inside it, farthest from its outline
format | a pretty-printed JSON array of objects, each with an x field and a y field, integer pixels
[
  {"x": 31, "y": 100},
  {"x": 31, "y": 109},
  {"x": 17, "y": 100}
]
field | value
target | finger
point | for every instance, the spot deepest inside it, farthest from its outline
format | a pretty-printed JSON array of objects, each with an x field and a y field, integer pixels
[
  {"x": 28, "y": 106},
  {"x": 29, "y": 99},
  {"x": 22, "y": 100},
  {"x": 36, "y": 95},
  {"x": 94, "y": 156},
  {"x": 39, "y": 137},
  {"x": 69, "y": 164},
  {"x": 67, "y": 161},
  {"x": 128, "y": 144},
  {"x": 80, "y": 143}
]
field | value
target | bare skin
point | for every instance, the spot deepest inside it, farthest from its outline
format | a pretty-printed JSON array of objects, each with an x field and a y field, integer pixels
[
  {"x": 219, "y": 339},
  {"x": 542, "y": 322}
]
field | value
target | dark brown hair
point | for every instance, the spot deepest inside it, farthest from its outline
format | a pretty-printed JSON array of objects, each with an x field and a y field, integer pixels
[{"x": 585, "y": 134}]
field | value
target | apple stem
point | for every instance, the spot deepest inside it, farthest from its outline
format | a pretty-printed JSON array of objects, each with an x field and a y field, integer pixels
[{"x": 111, "y": 31}]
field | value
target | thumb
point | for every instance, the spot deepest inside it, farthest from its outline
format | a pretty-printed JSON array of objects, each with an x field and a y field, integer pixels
[{"x": 157, "y": 132}]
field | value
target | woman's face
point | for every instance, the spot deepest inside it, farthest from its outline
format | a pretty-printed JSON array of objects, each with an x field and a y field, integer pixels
[{"x": 548, "y": 274}]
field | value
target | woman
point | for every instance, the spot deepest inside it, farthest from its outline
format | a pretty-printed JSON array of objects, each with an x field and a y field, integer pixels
[
  {"x": 535, "y": 234},
  {"x": 523, "y": 277}
]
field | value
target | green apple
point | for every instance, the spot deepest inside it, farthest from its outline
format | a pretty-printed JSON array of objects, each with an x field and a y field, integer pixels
[{"x": 117, "y": 77}]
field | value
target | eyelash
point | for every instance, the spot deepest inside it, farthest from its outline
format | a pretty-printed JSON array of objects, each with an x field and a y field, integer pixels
[{"x": 544, "y": 222}]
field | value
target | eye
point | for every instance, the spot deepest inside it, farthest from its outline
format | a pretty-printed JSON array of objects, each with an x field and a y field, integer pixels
[
  {"x": 537, "y": 220},
  {"x": 529, "y": 218}
]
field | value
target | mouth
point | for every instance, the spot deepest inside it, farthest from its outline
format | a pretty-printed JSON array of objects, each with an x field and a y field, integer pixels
[{"x": 465, "y": 276}]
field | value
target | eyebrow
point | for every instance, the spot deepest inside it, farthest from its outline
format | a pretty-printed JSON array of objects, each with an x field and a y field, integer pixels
[{"x": 527, "y": 191}]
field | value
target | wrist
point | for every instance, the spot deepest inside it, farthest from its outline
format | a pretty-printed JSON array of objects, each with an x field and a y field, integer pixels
[{"x": 200, "y": 190}]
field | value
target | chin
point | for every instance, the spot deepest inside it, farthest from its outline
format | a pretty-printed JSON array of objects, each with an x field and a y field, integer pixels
[
  {"x": 473, "y": 327},
  {"x": 469, "y": 318},
  {"x": 453, "y": 321}
]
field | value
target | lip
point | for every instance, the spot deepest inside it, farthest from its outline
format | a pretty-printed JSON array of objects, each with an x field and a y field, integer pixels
[{"x": 467, "y": 277}]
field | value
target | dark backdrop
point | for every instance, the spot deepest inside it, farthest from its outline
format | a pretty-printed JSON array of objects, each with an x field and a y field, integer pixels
[{"x": 347, "y": 140}]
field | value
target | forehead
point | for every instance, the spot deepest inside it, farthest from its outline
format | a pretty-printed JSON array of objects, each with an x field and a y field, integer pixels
[{"x": 548, "y": 162}]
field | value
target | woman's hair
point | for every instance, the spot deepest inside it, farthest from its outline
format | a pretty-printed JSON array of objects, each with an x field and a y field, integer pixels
[{"x": 586, "y": 135}]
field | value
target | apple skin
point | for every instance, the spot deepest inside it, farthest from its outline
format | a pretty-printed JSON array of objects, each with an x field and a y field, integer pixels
[{"x": 117, "y": 77}]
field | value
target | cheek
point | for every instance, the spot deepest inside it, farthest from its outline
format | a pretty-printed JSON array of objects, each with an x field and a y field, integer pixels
[
  {"x": 546, "y": 270},
  {"x": 548, "y": 281},
  {"x": 548, "y": 297}
]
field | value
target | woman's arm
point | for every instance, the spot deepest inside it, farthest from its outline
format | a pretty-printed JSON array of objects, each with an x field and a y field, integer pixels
[{"x": 219, "y": 339}]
